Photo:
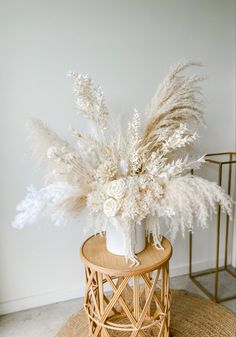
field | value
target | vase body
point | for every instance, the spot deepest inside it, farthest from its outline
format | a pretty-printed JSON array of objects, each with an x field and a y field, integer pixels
[{"x": 115, "y": 240}]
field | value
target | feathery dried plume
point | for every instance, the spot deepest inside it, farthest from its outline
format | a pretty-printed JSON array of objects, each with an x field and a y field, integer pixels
[
  {"x": 177, "y": 102},
  {"x": 41, "y": 138},
  {"x": 176, "y": 92},
  {"x": 45, "y": 202},
  {"x": 62, "y": 161},
  {"x": 193, "y": 201}
]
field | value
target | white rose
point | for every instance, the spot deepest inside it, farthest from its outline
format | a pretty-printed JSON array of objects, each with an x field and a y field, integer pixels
[
  {"x": 110, "y": 207},
  {"x": 116, "y": 189}
]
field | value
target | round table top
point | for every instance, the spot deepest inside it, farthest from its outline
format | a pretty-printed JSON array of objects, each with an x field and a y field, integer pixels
[{"x": 95, "y": 255}]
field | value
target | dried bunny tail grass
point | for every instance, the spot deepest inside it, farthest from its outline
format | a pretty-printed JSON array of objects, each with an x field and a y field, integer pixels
[
  {"x": 62, "y": 161},
  {"x": 177, "y": 101},
  {"x": 193, "y": 201}
]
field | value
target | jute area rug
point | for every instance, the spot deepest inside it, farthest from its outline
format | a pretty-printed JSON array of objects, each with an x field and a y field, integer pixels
[{"x": 191, "y": 316}]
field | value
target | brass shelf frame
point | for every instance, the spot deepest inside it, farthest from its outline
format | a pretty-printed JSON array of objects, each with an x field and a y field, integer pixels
[{"x": 193, "y": 275}]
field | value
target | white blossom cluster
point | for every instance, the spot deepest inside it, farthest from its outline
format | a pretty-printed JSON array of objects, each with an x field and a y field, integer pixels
[
  {"x": 133, "y": 178},
  {"x": 41, "y": 202},
  {"x": 90, "y": 99},
  {"x": 133, "y": 140}
]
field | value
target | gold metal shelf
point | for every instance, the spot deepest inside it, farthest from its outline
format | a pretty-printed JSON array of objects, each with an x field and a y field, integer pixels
[{"x": 193, "y": 275}]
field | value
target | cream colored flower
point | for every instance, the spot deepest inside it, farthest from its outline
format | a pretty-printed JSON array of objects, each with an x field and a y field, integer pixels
[
  {"x": 116, "y": 189},
  {"x": 106, "y": 171},
  {"x": 110, "y": 207}
]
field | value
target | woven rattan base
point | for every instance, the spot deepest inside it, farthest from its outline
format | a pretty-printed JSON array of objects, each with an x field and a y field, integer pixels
[{"x": 191, "y": 315}]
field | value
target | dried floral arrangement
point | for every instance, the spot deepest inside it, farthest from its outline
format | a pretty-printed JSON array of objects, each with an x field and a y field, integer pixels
[{"x": 123, "y": 179}]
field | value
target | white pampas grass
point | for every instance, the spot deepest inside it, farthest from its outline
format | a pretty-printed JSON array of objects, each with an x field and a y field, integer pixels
[
  {"x": 61, "y": 160},
  {"x": 193, "y": 201},
  {"x": 176, "y": 104}
]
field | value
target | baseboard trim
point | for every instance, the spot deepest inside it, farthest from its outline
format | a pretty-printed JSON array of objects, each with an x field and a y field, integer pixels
[
  {"x": 41, "y": 299},
  {"x": 196, "y": 266},
  {"x": 61, "y": 295}
]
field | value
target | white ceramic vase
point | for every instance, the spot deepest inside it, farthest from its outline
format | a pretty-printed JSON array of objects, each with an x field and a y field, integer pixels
[{"x": 115, "y": 240}]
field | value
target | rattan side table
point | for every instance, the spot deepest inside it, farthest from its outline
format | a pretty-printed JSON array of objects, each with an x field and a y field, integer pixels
[{"x": 125, "y": 301}]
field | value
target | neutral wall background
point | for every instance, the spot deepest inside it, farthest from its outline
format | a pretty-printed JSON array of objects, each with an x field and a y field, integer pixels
[{"x": 127, "y": 47}]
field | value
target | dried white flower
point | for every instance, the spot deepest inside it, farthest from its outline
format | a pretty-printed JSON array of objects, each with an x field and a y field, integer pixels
[
  {"x": 116, "y": 189},
  {"x": 110, "y": 207},
  {"x": 106, "y": 171}
]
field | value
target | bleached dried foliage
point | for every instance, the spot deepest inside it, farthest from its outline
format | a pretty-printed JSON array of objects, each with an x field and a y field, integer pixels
[
  {"x": 126, "y": 179},
  {"x": 90, "y": 99}
]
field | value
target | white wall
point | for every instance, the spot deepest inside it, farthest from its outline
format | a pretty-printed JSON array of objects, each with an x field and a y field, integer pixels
[{"x": 126, "y": 46}]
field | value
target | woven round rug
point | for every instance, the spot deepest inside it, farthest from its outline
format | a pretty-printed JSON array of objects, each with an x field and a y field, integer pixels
[{"x": 191, "y": 316}]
